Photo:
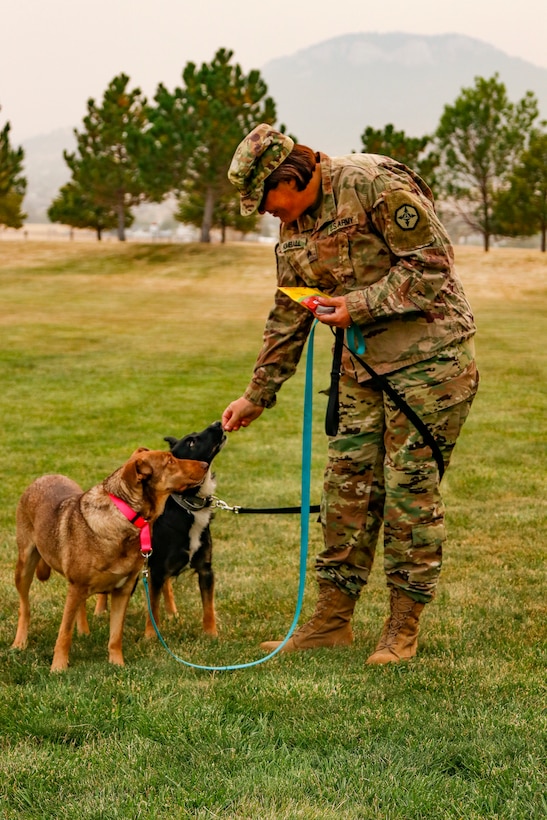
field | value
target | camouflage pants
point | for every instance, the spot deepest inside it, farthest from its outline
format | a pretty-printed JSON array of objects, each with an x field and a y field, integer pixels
[{"x": 380, "y": 473}]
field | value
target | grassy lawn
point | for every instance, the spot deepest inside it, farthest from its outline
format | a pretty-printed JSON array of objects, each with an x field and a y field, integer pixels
[{"x": 106, "y": 347}]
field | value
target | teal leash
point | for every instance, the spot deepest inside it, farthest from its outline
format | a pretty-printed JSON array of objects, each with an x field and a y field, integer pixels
[{"x": 304, "y": 530}]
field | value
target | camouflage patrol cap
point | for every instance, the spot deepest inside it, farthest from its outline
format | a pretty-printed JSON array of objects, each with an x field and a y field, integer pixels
[{"x": 256, "y": 156}]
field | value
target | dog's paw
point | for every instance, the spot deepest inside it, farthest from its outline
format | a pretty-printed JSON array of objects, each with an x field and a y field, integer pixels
[
  {"x": 116, "y": 659},
  {"x": 19, "y": 645},
  {"x": 210, "y": 630},
  {"x": 58, "y": 666}
]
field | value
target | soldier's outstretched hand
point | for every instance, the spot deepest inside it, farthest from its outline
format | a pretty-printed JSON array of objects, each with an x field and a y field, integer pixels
[{"x": 240, "y": 413}]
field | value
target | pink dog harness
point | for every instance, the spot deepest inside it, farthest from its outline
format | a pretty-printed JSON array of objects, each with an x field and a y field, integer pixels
[{"x": 138, "y": 521}]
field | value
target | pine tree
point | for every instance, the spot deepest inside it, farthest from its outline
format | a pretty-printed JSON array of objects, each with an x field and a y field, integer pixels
[
  {"x": 110, "y": 150},
  {"x": 12, "y": 182},
  {"x": 521, "y": 209},
  {"x": 480, "y": 138},
  {"x": 73, "y": 206},
  {"x": 196, "y": 129}
]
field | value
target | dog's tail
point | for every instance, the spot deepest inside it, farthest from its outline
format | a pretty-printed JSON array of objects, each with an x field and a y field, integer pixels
[{"x": 43, "y": 570}]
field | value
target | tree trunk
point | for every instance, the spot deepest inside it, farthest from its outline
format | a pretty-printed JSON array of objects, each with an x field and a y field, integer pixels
[
  {"x": 486, "y": 223},
  {"x": 99, "y": 234},
  {"x": 120, "y": 208},
  {"x": 207, "y": 221}
]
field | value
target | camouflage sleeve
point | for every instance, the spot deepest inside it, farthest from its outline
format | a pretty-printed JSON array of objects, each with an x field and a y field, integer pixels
[
  {"x": 285, "y": 335},
  {"x": 422, "y": 253}
]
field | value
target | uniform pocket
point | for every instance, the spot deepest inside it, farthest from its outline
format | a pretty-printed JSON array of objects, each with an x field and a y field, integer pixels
[
  {"x": 433, "y": 398},
  {"x": 439, "y": 383},
  {"x": 428, "y": 536}
]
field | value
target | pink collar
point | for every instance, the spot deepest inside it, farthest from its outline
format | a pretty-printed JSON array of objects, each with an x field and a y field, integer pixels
[{"x": 138, "y": 521}]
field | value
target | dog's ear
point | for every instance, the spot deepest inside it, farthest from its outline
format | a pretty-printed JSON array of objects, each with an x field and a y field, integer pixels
[
  {"x": 138, "y": 468},
  {"x": 143, "y": 468},
  {"x": 140, "y": 450},
  {"x": 171, "y": 441}
]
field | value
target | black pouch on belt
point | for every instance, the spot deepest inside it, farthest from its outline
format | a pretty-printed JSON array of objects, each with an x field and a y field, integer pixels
[{"x": 332, "y": 416}]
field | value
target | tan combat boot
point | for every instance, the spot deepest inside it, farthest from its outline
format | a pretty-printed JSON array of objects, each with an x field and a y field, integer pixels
[
  {"x": 330, "y": 624},
  {"x": 399, "y": 638}
]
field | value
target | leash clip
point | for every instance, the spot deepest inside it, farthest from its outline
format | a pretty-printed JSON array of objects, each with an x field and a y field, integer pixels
[{"x": 222, "y": 505}]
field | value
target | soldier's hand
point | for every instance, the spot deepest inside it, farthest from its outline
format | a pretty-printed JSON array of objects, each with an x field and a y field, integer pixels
[
  {"x": 340, "y": 317},
  {"x": 240, "y": 413}
]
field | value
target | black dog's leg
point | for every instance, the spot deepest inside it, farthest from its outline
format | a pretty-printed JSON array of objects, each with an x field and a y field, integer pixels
[
  {"x": 202, "y": 563},
  {"x": 169, "y": 599}
]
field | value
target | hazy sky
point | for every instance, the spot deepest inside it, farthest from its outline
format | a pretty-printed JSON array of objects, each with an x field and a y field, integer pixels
[{"x": 55, "y": 54}]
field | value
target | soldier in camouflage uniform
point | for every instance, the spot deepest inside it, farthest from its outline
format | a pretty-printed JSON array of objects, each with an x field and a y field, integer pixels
[{"x": 363, "y": 229}]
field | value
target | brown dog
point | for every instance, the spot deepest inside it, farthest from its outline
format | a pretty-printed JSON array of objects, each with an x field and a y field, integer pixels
[{"x": 86, "y": 538}]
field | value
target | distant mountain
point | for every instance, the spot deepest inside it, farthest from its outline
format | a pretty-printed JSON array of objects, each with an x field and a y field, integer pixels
[{"x": 329, "y": 93}]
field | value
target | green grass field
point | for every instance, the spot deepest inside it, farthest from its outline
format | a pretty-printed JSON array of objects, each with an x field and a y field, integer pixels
[{"x": 107, "y": 347}]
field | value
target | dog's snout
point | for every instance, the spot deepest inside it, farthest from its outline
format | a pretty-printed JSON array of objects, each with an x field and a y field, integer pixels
[{"x": 197, "y": 470}]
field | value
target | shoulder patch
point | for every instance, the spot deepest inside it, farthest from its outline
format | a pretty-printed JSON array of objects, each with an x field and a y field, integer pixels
[
  {"x": 407, "y": 217},
  {"x": 408, "y": 224}
]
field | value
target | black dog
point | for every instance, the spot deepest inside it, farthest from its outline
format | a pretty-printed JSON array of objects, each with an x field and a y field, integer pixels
[{"x": 181, "y": 536}]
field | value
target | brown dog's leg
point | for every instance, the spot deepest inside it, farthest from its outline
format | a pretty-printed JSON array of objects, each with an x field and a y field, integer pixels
[
  {"x": 119, "y": 600},
  {"x": 206, "y": 581},
  {"x": 24, "y": 574},
  {"x": 101, "y": 606},
  {"x": 74, "y": 599},
  {"x": 82, "y": 624}
]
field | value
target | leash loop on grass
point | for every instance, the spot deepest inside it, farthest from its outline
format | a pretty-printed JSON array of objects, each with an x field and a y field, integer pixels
[{"x": 304, "y": 529}]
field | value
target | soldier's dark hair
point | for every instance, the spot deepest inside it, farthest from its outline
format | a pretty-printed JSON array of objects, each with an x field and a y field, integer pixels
[{"x": 299, "y": 165}]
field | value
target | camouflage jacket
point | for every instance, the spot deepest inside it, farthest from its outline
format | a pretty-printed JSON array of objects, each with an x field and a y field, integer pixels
[{"x": 375, "y": 238}]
